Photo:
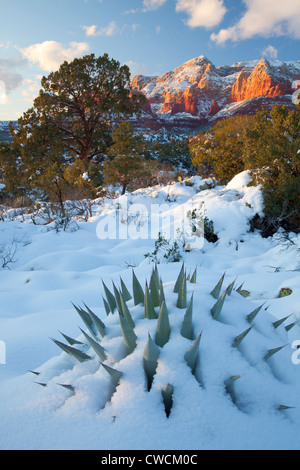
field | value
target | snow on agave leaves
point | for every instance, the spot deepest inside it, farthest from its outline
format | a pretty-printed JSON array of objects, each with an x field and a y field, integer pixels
[{"x": 174, "y": 334}]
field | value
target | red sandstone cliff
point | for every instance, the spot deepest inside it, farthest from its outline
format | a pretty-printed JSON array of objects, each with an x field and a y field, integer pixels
[{"x": 197, "y": 90}]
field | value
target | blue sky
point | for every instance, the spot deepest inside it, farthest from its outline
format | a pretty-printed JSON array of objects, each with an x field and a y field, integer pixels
[{"x": 151, "y": 36}]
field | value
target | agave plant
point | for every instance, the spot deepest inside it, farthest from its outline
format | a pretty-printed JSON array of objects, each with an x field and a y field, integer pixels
[{"x": 170, "y": 316}]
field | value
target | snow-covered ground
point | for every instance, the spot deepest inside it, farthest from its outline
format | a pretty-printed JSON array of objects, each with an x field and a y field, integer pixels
[{"x": 52, "y": 270}]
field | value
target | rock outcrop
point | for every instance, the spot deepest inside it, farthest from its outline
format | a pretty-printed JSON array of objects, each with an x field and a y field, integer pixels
[{"x": 197, "y": 91}]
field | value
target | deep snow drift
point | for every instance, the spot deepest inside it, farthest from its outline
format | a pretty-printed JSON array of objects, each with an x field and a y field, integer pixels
[{"x": 53, "y": 270}]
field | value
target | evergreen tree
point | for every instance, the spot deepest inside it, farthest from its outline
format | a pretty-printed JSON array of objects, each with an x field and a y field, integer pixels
[
  {"x": 126, "y": 162},
  {"x": 219, "y": 152},
  {"x": 271, "y": 152},
  {"x": 77, "y": 105}
]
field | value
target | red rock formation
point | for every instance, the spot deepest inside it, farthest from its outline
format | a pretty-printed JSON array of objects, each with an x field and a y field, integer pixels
[
  {"x": 261, "y": 82},
  {"x": 214, "y": 109},
  {"x": 200, "y": 90}
]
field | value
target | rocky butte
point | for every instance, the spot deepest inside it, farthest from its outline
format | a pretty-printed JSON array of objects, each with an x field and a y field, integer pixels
[{"x": 198, "y": 92}]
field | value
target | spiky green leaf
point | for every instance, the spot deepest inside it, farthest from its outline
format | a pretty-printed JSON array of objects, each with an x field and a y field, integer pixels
[
  {"x": 95, "y": 346},
  {"x": 85, "y": 317},
  {"x": 192, "y": 355},
  {"x": 251, "y": 317},
  {"x": 125, "y": 311},
  {"x": 271, "y": 352},
  {"x": 70, "y": 340},
  {"x": 150, "y": 360},
  {"x": 178, "y": 283},
  {"x": 167, "y": 396},
  {"x": 187, "y": 329},
  {"x": 217, "y": 290},
  {"x": 194, "y": 277},
  {"x": 115, "y": 374},
  {"x": 163, "y": 329},
  {"x": 128, "y": 333},
  {"x": 154, "y": 290},
  {"x": 218, "y": 307},
  {"x": 238, "y": 340},
  {"x": 182, "y": 294},
  {"x": 110, "y": 298},
  {"x": 138, "y": 293},
  {"x": 126, "y": 294},
  {"x": 78, "y": 355},
  {"x": 278, "y": 323},
  {"x": 148, "y": 303},
  {"x": 106, "y": 306}
]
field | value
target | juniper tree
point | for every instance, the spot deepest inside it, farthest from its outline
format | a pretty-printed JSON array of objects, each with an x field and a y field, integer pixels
[{"x": 126, "y": 162}]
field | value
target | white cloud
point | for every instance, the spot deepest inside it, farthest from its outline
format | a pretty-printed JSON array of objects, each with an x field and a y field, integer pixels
[
  {"x": 49, "y": 55},
  {"x": 271, "y": 52},
  {"x": 110, "y": 30},
  {"x": 153, "y": 4},
  {"x": 264, "y": 18},
  {"x": 202, "y": 13}
]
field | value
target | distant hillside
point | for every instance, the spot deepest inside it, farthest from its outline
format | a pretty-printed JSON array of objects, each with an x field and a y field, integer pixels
[{"x": 4, "y": 131}]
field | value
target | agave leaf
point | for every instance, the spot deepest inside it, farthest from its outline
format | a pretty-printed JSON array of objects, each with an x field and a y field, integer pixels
[
  {"x": 239, "y": 289},
  {"x": 194, "y": 277},
  {"x": 182, "y": 295},
  {"x": 95, "y": 346},
  {"x": 34, "y": 372},
  {"x": 117, "y": 299},
  {"x": 149, "y": 308},
  {"x": 217, "y": 308},
  {"x": 187, "y": 329},
  {"x": 85, "y": 317},
  {"x": 178, "y": 283},
  {"x": 163, "y": 329},
  {"x": 230, "y": 288},
  {"x": 78, "y": 355},
  {"x": 278, "y": 323},
  {"x": 106, "y": 306},
  {"x": 167, "y": 396},
  {"x": 217, "y": 290},
  {"x": 229, "y": 387},
  {"x": 125, "y": 311},
  {"x": 231, "y": 380},
  {"x": 162, "y": 293},
  {"x": 271, "y": 352},
  {"x": 115, "y": 374},
  {"x": 70, "y": 340},
  {"x": 110, "y": 298},
  {"x": 191, "y": 356},
  {"x": 100, "y": 327},
  {"x": 283, "y": 408},
  {"x": 154, "y": 280},
  {"x": 138, "y": 293},
  {"x": 238, "y": 340},
  {"x": 251, "y": 317},
  {"x": 150, "y": 359},
  {"x": 289, "y": 327},
  {"x": 68, "y": 387},
  {"x": 126, "y": 294},
  {"x": 128, "y": 333},
  {"x": 154, "y": 290}
]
